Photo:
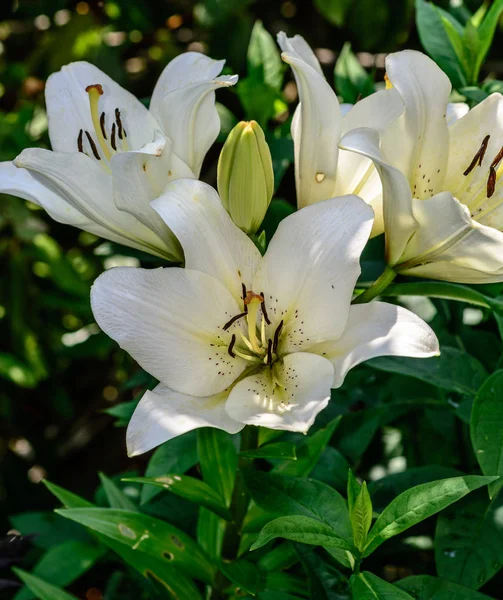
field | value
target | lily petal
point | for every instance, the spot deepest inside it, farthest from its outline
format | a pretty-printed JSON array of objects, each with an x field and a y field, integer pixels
[
  {"x": 356, "y": 174},
  {"x": 449, "y": 245},
  {"x": 378, "y": 329},
  {"x": 79, "y": 185},
  {"x": 140, "y": 177},
  {"x": 210, "y": 240},
  {"x": 455, "y": 111},
  {"x": 310, "y": 269},
  {"x": 298, "y": 45},
  {"x": 184, "y": 103},
  {"x": 171, "y": 321},
  {"x": 68, "y": 108},
  {"x": 162, "y": 414},
  {"x": 418, "y": 142},
  {"x": 399, "y": 221},
  {"x": 316, "y": 130},
  {"x": 467, "y": 135},
  {"x": 287, "y": 397}
]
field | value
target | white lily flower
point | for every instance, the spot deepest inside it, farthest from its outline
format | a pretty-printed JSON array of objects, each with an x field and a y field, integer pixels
[
  {"x": 111, "y": 155},
  {"x": 440, "y": 166},
  {"x": 321, "y": 170},
  {"x": 236, "y": 338}
]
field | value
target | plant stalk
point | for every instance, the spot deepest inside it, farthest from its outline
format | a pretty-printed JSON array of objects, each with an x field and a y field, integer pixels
[{"x": 379, "y": 285}]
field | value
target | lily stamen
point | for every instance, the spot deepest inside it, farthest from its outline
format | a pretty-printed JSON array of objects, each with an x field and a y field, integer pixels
[
  {"x": 231, "y": 346},
  {"x": 276, "y": 336},
  {"x": 479, "y": 156},
  {"x": 233, "y": 320}
]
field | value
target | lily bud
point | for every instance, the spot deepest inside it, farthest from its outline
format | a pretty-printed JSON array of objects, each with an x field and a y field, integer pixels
[{"x": 245, "y": 176}]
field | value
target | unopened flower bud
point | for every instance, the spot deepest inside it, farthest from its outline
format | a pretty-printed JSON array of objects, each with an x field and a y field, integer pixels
[{"x": 245, "y": 176}]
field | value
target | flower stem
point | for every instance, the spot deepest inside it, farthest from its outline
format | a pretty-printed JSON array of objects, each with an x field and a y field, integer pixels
[
  {"x": 379, "y": 285},
  {"x": 240, "y": 497}
]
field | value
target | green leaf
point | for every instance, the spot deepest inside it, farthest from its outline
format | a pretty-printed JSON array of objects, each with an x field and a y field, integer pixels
[
  {"x": 40, "y": 588},
  {"x": 334, "y": 11},
  {"x": 486, "y": 33},
  {"x": 49, "y": 529},
  {"x": 442, "y": 289},
  {"x": 419, "y": 503},
  {"x": 426, "y": 587},
  {"x": 353, "y": 490},
  {"x": 190, "y": 488},
  {"x": 282, "y": 495},
  {"x": 436, "y": 41},
  {"x": 244, "y": 574},
  {"x": 264, "y": 61},
  {"x": 325, "y": 581},
  {"x": 210, "y": 532},
  {"x": 301, "y": 529},
  {"x": 361, "y": 517},
  {"x": 218, "y": 459},
  {"x": 486, "y": 427},
  {"x": 68, "y": 499},
  {"x": 284, "y": 450},
  {"x": 159, "y": 571},
  {"x": 453, "y": 370},
  {"x": 146, "y": 534},
  {"x": 367, "y": 586},
  {"x": 63, "y": 564},
  {"x": 176, "y": 456},
  {"x": 352, "y": 82},
  {"x": 308, "y": 452},
  {"x": 469, "y": 540},
  {"x": 115, "y": 496},
  {"x": 384, "y": 490}
]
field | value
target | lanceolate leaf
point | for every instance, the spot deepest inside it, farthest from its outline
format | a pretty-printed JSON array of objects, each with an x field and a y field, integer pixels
[
  {"x": 486, "y": 427},
  {"x": 146, "y": 534},
  {"x": 283, "y": 495},
  {"x": 469, "y": 540},
  {"x": 176, "y": 456},
  {"x": 419, "y": 503},
  {"x": 42, "y": 589},
  {"x": 486, "y": 33},
  {"x": 361, "y": 517},
  {"x": 218, "y": 460},
  {"x": 115, "y": 496},
  {"x": 367, "y": 586},
  {"x": 301, "y": 529},
  {"x": 63, "y": 564},
  {"x": 453, "y": 370},
  {"x": 426, "y": 587},
  {"x": 308, "y": 452},
  {"x": 284, "y": 450},
  {"x": 190, "y": 488}
]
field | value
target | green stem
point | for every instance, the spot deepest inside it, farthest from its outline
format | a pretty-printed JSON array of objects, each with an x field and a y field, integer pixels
[
  {"x": 240, "y": 497},
  {"x": 377, "y": 287}
]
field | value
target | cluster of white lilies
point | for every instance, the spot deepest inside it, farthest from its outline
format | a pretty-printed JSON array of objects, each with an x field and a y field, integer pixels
[{"x": 237, "y": 338}]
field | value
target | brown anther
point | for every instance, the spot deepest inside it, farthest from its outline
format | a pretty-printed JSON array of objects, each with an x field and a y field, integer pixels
[
  {"x": 251, "y": 296},
  {"x": 243, "y": 288},
  {"x": 119, "y": 123},
  {"x": 264, "y": 311},
  {"x": 95, "y": 86},
  {"x": 491, "y": 181},
  {"x": 80, "y": 145},
  {"x": 497, "y": 158},
  {"x": 479, "y": 156},
  {"x": 276, "y": 336},
  {"x": 233, "y": 320},
  {"x": 102, "y": 125},
  {"x": 112, "y": 139},
  {"x": 93, "y": 146},
  {"x": 231, "y": 346},
  {"x": 269, "y": 352}
]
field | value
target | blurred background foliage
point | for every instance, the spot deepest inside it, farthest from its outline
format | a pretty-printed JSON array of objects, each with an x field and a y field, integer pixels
[{"x": 64, "y": 386}]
